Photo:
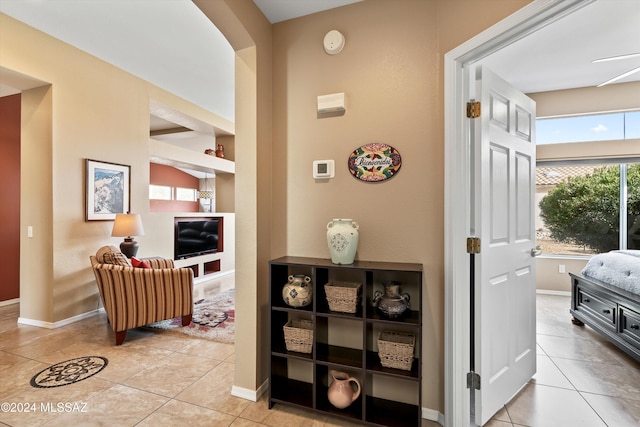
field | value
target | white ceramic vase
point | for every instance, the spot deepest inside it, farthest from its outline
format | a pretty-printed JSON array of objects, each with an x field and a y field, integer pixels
[{"x": 342, "y": 238}]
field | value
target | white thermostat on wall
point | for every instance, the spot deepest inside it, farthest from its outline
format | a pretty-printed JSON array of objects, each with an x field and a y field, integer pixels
[{"x": 324, "y": 169}]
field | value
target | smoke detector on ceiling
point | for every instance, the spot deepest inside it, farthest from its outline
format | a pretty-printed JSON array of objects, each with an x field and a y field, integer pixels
[{"x": 333, "y": 42}]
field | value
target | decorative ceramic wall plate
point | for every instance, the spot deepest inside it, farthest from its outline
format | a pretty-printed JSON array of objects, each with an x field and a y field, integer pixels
[{"x": 374, "y": 162}]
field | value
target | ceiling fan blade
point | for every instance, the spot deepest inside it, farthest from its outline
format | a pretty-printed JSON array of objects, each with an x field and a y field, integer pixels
[
  {"x": 621, "y": 76},
  {"x": 616, "y": 58}
]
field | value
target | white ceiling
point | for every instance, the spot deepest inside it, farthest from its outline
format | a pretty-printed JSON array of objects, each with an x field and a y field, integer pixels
[
  {"x": 282, "y": 10},
  {"x": 173, "y": 45},
  {"x": 560, "y": 55}
]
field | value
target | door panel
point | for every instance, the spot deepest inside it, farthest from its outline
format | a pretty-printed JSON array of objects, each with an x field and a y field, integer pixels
[{"x": 504, "y": 323}]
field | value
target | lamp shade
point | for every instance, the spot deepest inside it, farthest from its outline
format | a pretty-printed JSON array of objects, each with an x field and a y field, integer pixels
[
  {"x": 205, "y": 194},
  {"x": 127, "y": 225}
]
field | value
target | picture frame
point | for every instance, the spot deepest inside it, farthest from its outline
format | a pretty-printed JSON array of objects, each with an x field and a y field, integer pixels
[{"x": 107, "y": 190}]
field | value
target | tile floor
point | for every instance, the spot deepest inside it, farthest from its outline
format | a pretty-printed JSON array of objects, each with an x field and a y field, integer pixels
[{"x": 160, "y": 379}]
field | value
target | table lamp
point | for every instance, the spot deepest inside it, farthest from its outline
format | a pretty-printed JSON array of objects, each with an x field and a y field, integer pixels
[{"x": 127, "y": 225}]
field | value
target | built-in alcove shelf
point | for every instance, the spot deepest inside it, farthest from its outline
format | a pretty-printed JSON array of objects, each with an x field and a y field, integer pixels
[
  {"x": 204, "y": 267},
  {"x": 172, "y": 155}
]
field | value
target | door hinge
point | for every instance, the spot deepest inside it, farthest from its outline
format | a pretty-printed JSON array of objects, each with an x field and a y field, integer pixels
[
  {"x": 473, "y": 109},
  {"x": 473, "y": 380},
  {"x": 473, "y": 245}
]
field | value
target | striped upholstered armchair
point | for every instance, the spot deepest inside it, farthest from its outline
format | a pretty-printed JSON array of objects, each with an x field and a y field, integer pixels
[{"x": 138, "y": 296}]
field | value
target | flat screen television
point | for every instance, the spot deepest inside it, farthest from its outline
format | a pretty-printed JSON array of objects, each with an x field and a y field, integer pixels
[{"x": 197, "y": 236}]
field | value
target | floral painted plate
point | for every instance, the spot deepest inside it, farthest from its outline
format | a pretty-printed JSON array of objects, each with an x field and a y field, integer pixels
[{"x": 374, "y": 162}]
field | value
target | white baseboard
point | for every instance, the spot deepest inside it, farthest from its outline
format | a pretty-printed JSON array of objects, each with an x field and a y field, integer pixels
[
  {"x": 58, "y": 324},
  {"x": 212, "y": 276},
  {"x": 548, "y": 292},
  {"x": 9, "y": 302},
  {"x": 252, "y": 395},
  {"x": 433, "y": 415}
]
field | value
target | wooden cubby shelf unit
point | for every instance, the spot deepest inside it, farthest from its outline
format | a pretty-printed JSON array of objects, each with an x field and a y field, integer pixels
[{"x": 346, "y": 342}]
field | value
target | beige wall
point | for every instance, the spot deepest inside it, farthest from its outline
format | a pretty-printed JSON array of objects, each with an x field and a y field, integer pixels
[
  {"x": 391, "y": 73},
  {"x": 87, "y": 109},
  {"x": 618, "y": 97}
]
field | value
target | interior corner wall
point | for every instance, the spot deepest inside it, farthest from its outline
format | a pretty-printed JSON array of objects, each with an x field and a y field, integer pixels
[
  {"x": 91, "y": 110},
  {"x": 36, "y": 205},
  {"x": 10, "y": 107},
  {"x": 391, "y": 73},
  {"x": 250, "y": 34}
]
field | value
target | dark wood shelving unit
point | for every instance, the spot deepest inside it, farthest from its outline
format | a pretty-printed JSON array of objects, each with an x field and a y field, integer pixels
[{"x": 346, "y": 342}]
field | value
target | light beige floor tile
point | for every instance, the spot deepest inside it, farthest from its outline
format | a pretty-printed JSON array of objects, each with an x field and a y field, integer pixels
[
  {"x": 286, "y": 416},
  {"x": 45, "y": 402},
  {"x": 502, "y": 415},
  {"x": 601, "y": 378},
  {"x": 241, "y": 422},
  {"x": 16, "y": 380},
  {"x": 257, "y": 411},
  {"x": 175, "y": 413},
  {"x": 116, "y": 406},
  {"x": 9, "y": 361},
  {"x": 125, "y": 362},
  {"x": 549, "y": 374},
  {"x": 56, "y": 339},
  {"x": 22, "y": 335},
  {"x": 544, "y": 406},
  {"x": 615, "y": 411},
  {"x": 77, "y": 349},
  {"x": 213, "y": 391},
  {"x": 498, "y": 423},
  {"x": 172, "y": 374},
  {"x": 182, "y": 343},
  {"x": 575, "y": 348}
]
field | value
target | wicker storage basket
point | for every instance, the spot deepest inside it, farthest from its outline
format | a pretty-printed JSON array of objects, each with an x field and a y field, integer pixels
[
  {"x": 343, "y": 296},
  {"x": 396, "y": 349},
  {"x": 298, "y": 335}
]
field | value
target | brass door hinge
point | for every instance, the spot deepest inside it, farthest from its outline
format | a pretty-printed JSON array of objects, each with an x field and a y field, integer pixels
[
  {"x": 473, "y": 245},
  {"x": 473, "y": 109}
]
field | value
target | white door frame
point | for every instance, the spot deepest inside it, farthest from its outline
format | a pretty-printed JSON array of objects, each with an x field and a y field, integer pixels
[{"x": 458, "y": 170}]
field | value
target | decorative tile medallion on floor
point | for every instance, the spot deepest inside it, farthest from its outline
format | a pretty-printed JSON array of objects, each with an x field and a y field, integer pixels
[{"x": 69, "y": 372}]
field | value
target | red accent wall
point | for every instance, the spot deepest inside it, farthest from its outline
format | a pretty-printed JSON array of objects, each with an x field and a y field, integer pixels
[
  {"x": 10, "y": 190},
  {"x": 172, "y": 177}
]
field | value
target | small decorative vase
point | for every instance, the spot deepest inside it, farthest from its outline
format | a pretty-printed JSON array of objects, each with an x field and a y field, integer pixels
[
  {"x": 341, "y": 392},
  {"x": 298, "y": 292},
  {"x": 392, "y": 303},
  {"x": 220, "y": 151},
  {"x": 342, "y": 237}
]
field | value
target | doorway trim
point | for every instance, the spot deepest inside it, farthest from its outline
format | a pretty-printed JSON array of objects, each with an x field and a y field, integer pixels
[{"x": 458, "y": 196}]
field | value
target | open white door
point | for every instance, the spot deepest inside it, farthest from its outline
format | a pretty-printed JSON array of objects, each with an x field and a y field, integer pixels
[{"x": 504, "y": 277}]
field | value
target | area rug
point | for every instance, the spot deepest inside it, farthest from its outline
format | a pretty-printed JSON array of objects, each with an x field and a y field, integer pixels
[{"x": 213, "y": 319}]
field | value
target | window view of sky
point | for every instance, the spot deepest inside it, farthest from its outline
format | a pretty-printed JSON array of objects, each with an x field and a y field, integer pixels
[{"x": 600, "y": 127}]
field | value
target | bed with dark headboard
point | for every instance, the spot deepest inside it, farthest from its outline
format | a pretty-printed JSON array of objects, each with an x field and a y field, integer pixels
[{"x": 606, "y": 297}]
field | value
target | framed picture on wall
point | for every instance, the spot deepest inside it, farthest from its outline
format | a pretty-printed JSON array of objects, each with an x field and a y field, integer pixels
[{"x": 108, "y": 187}]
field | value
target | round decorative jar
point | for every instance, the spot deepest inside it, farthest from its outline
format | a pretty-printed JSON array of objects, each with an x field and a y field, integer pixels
[
  {"x": 298, "y": 292},
  {"x": 342, "y": 238},
  {"x": 344, "y": 390},
  {"x": 391, "y": 303}
]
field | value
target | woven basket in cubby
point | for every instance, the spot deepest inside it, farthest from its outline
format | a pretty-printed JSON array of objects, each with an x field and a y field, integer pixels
[
  {"x": 396, "y": 349},
  {"x": 343, "y": 296},
  {"x": 298, "y": 335}
]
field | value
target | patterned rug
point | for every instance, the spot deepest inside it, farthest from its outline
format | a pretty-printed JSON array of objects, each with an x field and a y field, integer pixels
[{"x": 213, "y": 319}]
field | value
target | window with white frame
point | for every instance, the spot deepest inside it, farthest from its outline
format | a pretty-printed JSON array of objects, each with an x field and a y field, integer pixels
[{"x": 160, "y": 192}]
